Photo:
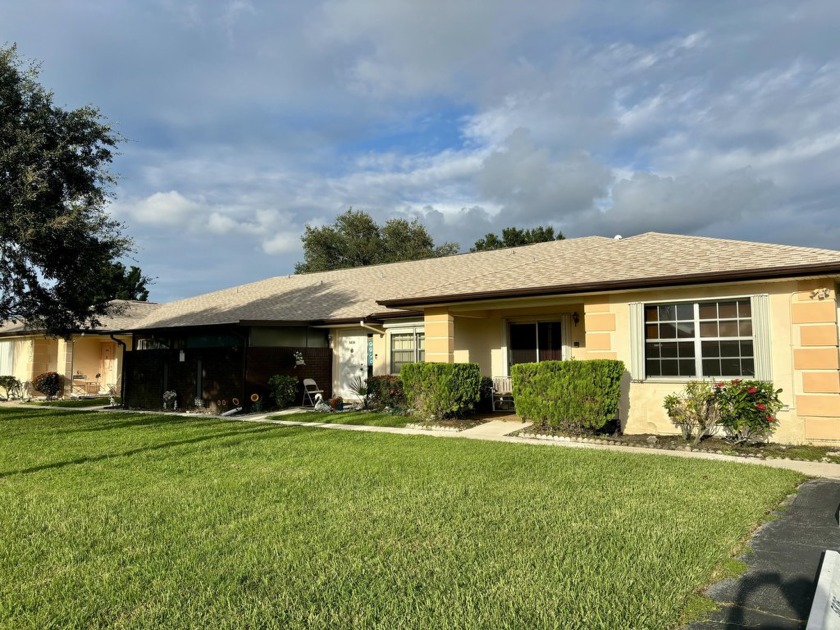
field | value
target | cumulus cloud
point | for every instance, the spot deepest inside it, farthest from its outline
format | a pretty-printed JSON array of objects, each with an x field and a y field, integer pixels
[
  {"x": 161, "y": 209},
  {"x": 532, "y": 185},
  {"x": 681, "y": 205},
  {"x": 247, "y": 120}
]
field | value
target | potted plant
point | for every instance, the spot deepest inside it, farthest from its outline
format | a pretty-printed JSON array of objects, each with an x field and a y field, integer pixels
[{"x": 336, "y": 403}]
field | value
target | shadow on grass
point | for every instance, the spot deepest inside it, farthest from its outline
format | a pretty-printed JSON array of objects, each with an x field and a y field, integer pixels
[
  {"x": 25, "y": 414},
  {"x": 250, "y": 432},
  {"x": 161, "y": 420}
]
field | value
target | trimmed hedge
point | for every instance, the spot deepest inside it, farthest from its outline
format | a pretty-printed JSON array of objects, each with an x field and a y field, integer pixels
[
  {"x": 571, "y": 395},
  {"x": 442, "y": 390}
]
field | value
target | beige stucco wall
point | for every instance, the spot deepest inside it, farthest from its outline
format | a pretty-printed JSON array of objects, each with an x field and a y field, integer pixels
[
  {"x": 44, "y": 355},
  {"x": 479, "y": 334},
  {"x": 479, "y": 341},
  {"x": 805, "y": 361},
  {"x": 644, "y": 412},
  {"x": 36, "y": 354}
]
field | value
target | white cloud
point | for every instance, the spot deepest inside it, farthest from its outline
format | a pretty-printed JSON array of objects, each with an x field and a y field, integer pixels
[
  {"x": 533, "y": 186},
  {"x": 681, "y": 205},
  {"x": 282, "y": 243},
  {"x": 161, "y": 209}
]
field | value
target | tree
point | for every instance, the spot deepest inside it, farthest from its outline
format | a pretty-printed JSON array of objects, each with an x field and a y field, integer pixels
[
  {"x": 355, "y": 240},
  {"x": 55, "y": 236},
  {"x": 120, "y": 283},
  {"x": 514, "y": 237}
]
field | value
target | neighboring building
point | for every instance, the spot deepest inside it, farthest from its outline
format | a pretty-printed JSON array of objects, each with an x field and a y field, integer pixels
[
  {"x": 90, "y": 361},
  {"x": 671, "y": 307}
]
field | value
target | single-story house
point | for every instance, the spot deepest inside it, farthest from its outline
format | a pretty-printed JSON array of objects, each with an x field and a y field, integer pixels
[
  {"x": 671, "y": 307},
  {"x": 90, "y": 361}
]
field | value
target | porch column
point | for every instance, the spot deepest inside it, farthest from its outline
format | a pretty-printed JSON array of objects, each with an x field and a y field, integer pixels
[
  {"x": 439, "y": 327},
  {"x": 65, "y": 364}
]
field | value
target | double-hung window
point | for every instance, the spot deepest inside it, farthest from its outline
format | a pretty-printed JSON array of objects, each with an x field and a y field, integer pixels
[
  {"x": 701, "y": 339},
  {"x": 407, "y": 347}
]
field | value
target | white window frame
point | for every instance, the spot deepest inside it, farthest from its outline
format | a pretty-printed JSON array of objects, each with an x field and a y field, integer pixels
[
  {"x": 415, "y": 331},
  {"x": 759, "y": 306}
]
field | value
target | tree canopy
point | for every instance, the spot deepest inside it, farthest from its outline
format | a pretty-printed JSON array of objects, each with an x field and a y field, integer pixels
[
  {"x": 121, "y": 283},
  {"x": 356, "y": 240},
  {"x": 55, "y": 235},
  {"x": 514, "y": 237}
]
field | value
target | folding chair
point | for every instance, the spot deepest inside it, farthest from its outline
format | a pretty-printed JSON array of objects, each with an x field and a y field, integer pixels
[{"x": 310, "y": 389}]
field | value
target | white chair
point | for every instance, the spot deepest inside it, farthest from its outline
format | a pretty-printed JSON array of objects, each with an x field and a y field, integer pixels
[
  {"x": 310, "y": 389},
  {"x": 502, "y": 392}
]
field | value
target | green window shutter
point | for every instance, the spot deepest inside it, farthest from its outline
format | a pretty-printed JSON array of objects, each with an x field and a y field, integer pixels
[
  {"x": 637, "y": 341},
  {"x": 761, "y": 337}
]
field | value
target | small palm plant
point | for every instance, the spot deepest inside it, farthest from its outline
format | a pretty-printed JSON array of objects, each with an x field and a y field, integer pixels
[{"x": 360, "y": 389}]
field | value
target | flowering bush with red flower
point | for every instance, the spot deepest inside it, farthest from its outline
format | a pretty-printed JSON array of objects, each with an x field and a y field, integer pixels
[
  {"x": 747, "y": 409},
  {"x": 386, "y": 391}
]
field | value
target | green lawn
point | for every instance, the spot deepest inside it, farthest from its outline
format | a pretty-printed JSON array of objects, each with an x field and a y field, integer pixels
[
  {"x": 367, "y": 418},
  {"x": 140, "y": 521}
]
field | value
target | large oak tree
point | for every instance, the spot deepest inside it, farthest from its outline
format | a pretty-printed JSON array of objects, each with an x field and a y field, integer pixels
[
  {"x": 356, "y": 240},
  {"x": 56, "y": 237}
]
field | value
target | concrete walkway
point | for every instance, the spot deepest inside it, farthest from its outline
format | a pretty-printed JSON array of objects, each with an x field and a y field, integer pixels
[{"x": 499, "y": 430}]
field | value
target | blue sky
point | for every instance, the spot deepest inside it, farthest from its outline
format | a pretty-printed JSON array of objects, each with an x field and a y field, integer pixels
[{"x": 245, "y": 121}]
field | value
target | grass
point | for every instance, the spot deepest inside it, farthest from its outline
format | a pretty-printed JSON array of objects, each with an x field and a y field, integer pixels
[
  {"x": 359, "y": 418},
  {"x": 75, "y": 403},
  {"x": 140, "y": 521}
]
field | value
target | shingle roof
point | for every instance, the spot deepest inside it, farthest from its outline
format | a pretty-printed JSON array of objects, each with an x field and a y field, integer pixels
[
  {"x": 580, "y": 264},
  {"x": 650, "y": 259},
  {"x": 125, "y": 316}
]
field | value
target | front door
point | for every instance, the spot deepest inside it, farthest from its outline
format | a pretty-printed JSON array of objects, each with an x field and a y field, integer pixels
[
  {"x": 352, "y": 361},
  {"x": 106, "y": 363},
  {"x": 534, "y": 342}
]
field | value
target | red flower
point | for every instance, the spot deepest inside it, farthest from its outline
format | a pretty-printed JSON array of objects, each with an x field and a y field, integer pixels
[
  {"x": 760, "y": 406},
  {"x": 770, "y": 418},
  {"x": 735, "y": 381},
  {"x": 752, "y": 390},
  {"x": 719, "y": 385}
]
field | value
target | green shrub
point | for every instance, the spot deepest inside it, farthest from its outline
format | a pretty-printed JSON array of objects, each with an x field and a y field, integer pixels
[
  {"x": 694, "y": 410},
  {"x": 442, "y": 390},
  {"x": 386, "y": 391},
  {"x": 572, "y": 395},
  {"x": 747, "y": 409},
  {"x": 48, "y": 383},
  {"x": 284, "y": 390},
  {"x": 11, "y": 385},
  {"x": 485, "y": 395}
]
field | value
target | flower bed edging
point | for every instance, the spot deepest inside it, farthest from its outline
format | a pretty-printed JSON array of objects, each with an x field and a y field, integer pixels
[{"x": 659, "y": 447}]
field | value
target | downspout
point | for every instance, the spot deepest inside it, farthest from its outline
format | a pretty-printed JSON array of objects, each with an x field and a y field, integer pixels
[{"x": 122, "y": 368}]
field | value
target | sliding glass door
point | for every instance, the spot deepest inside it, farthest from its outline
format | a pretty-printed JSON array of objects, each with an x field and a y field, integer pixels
[{"x": 534, "y": 342}]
